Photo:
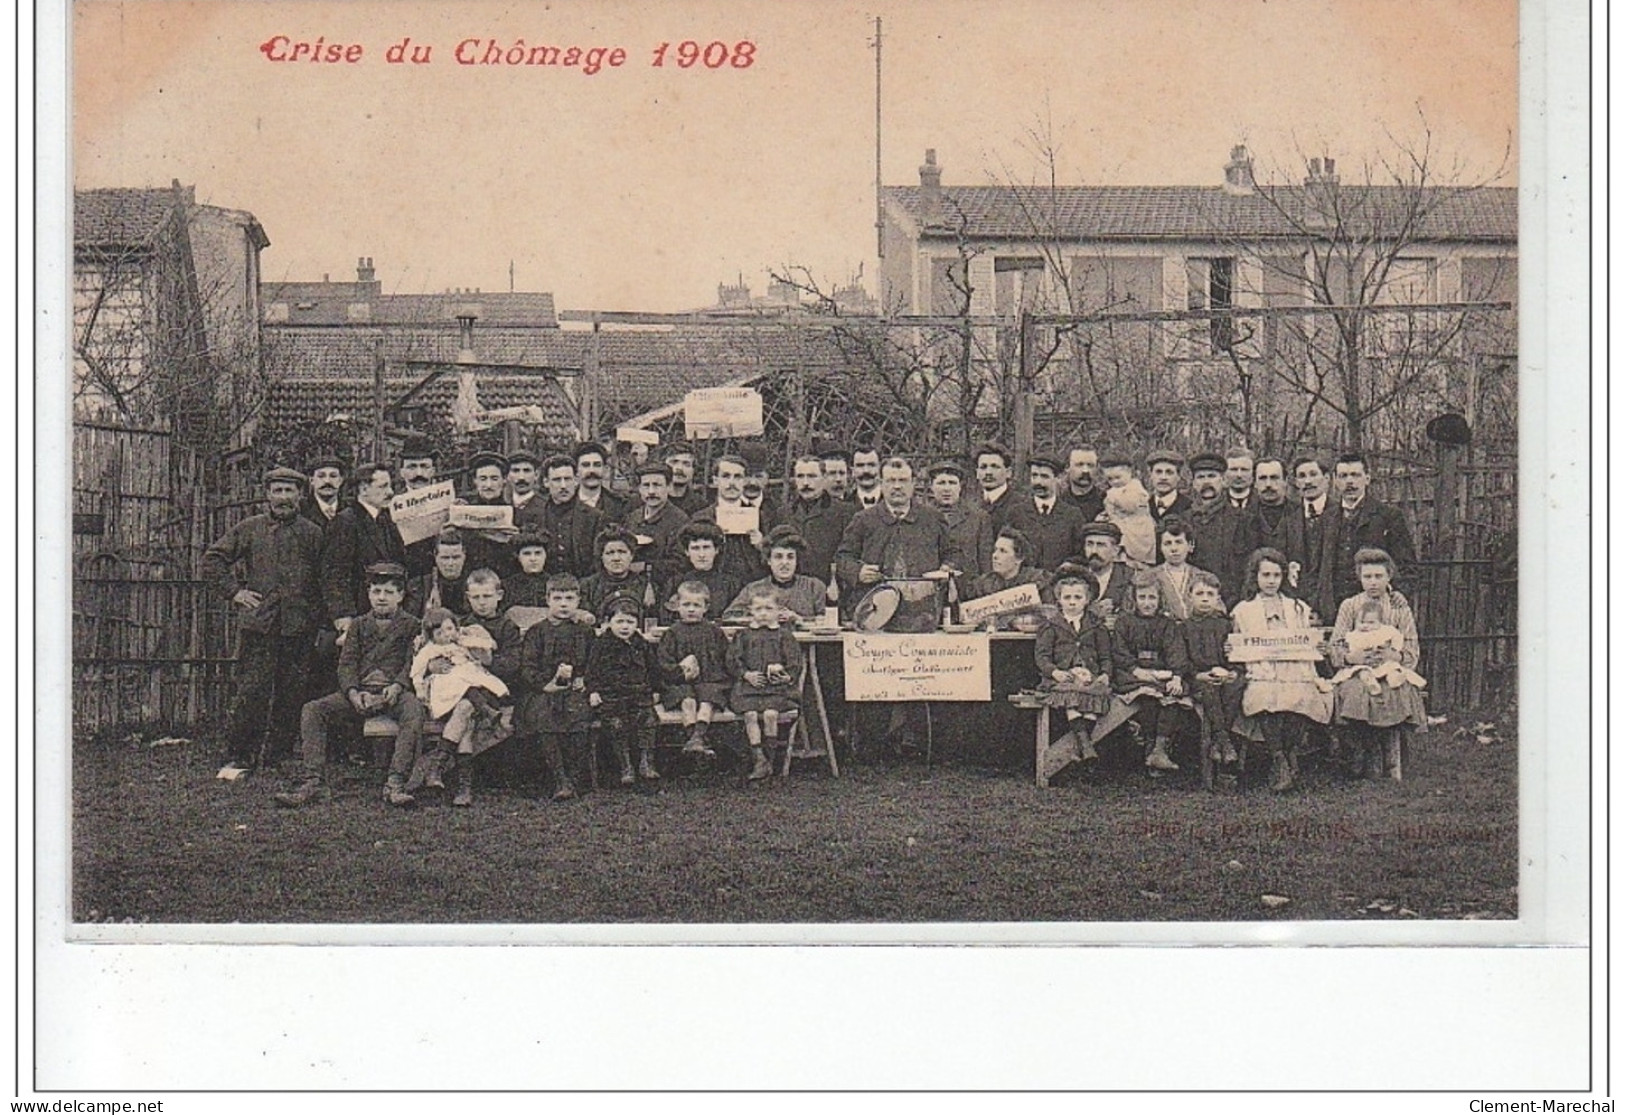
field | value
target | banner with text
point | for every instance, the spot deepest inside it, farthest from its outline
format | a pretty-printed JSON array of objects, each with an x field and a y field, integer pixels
[
  {"x": 1289, "y": 646},
  {"x": 722, "y": 412},
  {"x": 1022, "y": 598},
  {"x": 421, "y": 512},
  {"x": 925, "y": 667}
]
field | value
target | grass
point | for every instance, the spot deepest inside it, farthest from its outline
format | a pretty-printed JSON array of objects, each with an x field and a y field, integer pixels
[{"x": 158, "y": 839}]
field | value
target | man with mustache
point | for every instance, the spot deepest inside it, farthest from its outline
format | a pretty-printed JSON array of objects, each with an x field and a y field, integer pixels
[
  {"x": 1054, "y": 525},
  {"x": 418, "y": 466},
  {"x": 591, "y": 463},
  {"x": 326, "y": 483},
  {"x": 271, "y": 564},
  {"x": 819, "y": 518}
]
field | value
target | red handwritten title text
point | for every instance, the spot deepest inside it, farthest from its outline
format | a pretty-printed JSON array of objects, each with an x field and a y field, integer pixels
[{"x": 685, "y": 55}]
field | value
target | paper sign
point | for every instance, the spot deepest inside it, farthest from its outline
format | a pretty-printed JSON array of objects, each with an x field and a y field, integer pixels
[
  {"x": 631, "y": 435},
  {"x": 421, "y": 512},
  {"x": 722, "y": 412},
  {"x": 481, "y": 516},
  {"x": 738, "y": 520},
  {"x": 926, "y": 667},
  {"x": 1022, "y": 598},
  {"x": 1289, "y": 646}
]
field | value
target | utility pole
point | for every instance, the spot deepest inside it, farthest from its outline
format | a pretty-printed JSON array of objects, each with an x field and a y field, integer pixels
[{"x": 880, "y": 242}]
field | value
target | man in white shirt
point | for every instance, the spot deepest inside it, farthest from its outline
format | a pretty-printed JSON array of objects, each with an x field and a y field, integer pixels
[
  {"x": 993, "y": 477},
  {"x": 326, "y": 482},
  {"x": 866, "y": 490}
]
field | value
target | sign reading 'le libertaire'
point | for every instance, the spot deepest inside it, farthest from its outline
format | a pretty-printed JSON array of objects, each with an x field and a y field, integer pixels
[
  {"x": 419, "y": 513},
  {"x": 722, "y": 412},
  {"x": 925, "y": 667}
]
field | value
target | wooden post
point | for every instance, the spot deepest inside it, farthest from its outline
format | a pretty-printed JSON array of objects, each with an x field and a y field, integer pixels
[
  {"x": 378, "y": 400},
  {"x": 1022, "y": 413}
]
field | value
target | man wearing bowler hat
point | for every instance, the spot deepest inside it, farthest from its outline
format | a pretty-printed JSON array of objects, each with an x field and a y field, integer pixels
[
  {"x": 271, "y": 564},
  {"x": 326, "y": 483},
  {"x": 1053, "y": 525},
  {"x": 419, "y": 464}
]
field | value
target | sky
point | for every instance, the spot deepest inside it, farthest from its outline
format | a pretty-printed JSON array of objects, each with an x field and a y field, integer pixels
[{"x": 643, "y": 187}]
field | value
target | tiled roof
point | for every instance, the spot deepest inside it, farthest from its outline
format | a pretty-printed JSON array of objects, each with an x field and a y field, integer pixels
[
  {"x": 641, "y": 370},
  {"x": 309, "y": 402},
  {"x": 323, "y": 303},
  {"x": 299, "y": 352},
  {"x": 638, "y": 369},
  {"x": 1195, "y": 212},
  {"x": 119, "y": 218}
]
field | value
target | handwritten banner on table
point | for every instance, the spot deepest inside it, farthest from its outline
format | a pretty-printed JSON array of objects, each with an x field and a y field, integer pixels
[
  {"x": 482, "y": 516},
  {"x": 926, "y": 667},
  {"x": 1022, "y": 598},
  {"x": 1288, "y": 646},
  {"x": 421, "y": 512},
  {"x": 722, "y": 412}
]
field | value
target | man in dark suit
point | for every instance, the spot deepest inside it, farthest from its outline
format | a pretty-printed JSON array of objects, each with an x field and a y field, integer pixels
[
  {"x": 592, "y": 459},
  {"x": 359, "y": 536},
  {"x": 1271, "y": 508},
  {"x": 1162, "y": 468},
  {"x": 326, "y": 483},
  {"x": 657, "y": 521},
  {"x": 740, "y": 557},
  {"x": 1308, "y": 565},
  {"x": 571, "y": 524},
  {"x": 1081, "y": 490},
  {"x": 1361, "y": 522},
  {"x": 491, "y": 550},
  {"x": 993, "y": 478},
  {"x": 1226, "y": 534},
  {"x": 419, "y": 467},
  {"x": 687, "y": 496},
  {"x": 1054, "y": 526},
  {"x": 819, "y": 518}
]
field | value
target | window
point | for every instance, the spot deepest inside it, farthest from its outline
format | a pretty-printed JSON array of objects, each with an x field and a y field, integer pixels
[
  {"x": 1017, "y": 284},
  {"x": 1210, "y": 285},
  {"x": 1410, "y": 281}
]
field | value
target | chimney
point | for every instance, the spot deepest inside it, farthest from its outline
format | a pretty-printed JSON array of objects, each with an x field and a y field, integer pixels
[
  {"x": 363, "y": 270},
  {"x": 1322, "y": 172},
  {"x": 1238, "y": 172},
  {"x": 930, "y": 188}
]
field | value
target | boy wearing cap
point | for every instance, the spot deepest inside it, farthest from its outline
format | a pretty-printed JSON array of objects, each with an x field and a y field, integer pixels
[
  {"x": 374, "y": 679},
  {"x": 271, "y": 564}
]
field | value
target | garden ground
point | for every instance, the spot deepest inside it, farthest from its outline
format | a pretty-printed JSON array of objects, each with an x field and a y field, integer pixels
[{"x": 158, "y": 839}]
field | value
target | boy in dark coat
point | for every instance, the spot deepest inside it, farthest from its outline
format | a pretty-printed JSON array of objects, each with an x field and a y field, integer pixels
[
  {"x": 623, "y": 682},
  {"x": 1218, "y": 686},
  {"x": 552, "y": 667},
  {"x": 374, "y": 679}
]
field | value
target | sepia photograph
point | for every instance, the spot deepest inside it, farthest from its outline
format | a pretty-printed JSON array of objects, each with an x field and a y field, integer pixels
[{"x": 794, "y": 465}]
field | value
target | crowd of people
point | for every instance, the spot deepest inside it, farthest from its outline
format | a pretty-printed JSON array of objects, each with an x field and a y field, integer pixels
[{"x": 559, "y": 636}]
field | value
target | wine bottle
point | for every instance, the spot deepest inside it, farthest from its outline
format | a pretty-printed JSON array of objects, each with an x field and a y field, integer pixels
[
  {"x": 832, "y": 601},
  {"x": 651, "y": 618}
]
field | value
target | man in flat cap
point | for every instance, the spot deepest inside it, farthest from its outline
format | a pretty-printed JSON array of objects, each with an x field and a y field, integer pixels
[
  {"x": 1103, "y": 559},
  {"x": 1225, "y": 533},
  {"x": 271, "y": 565},
  {"x": 489, "y": 549},
  {"x": 655, "y": 523},
  {"x": 968, "y": 525},
  {"x": 1053, "y": 525}
]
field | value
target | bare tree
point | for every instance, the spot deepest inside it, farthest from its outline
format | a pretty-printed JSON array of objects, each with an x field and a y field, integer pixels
[{"x": 1370, "y": 250}]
